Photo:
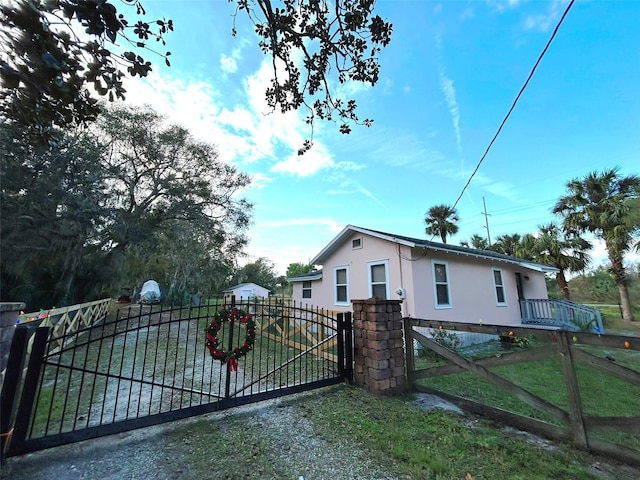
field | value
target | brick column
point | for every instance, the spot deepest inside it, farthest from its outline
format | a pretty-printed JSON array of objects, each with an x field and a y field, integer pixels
[{"x": 378, "y": 346}]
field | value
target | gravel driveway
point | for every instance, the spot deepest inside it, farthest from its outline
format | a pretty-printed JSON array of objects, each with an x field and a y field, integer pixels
[{"x": 143, "y": 453}]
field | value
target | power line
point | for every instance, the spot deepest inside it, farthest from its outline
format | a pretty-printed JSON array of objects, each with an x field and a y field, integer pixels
[{"x": 513, "y": 105}]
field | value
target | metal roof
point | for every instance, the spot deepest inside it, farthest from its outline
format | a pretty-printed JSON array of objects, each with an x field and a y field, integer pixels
[
  {"x": 311, "y": 275},
  {"x": 428, "y": 245},
  {"x": 240, "y": 285}
]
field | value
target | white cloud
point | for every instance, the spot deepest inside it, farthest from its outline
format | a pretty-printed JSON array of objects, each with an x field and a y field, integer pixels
[
  {"x": 544, "y": 21},
  {"x": 260, "y": 180},
  {"x": 501, "y": 6},
  {"x": 228, "y": 64},
  {"x": 351, "y": 89},
  {"x": 449, "y": 91},
  {"x": 498, "y": 188},
  {"x": 350, "y": 166},
  {"x": 310, "y": 163},
  {"x": 244, "y": 133},
  {"x": 348, "y": 186},
  {"x": 467, "y": 14}
]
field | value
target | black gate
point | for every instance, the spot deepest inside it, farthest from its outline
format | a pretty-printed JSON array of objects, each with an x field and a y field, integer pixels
[{"x": 150, "y": 365}]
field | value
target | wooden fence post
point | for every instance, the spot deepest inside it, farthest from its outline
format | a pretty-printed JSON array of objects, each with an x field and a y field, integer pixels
[
  {"x": 573, "y": 391},
  {"x": 409, "y": 354}
]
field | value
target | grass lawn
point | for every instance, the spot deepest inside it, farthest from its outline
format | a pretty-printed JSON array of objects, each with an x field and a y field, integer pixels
[
  {"x": 613, "y": 323},
  {"x": 401, "y": 438},
  {"x": 413, "y": 443},
  {"x": 601, "y": 394}
]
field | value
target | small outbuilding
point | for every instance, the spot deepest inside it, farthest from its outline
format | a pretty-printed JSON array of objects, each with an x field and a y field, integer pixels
[{"x": 245, "y": 291}]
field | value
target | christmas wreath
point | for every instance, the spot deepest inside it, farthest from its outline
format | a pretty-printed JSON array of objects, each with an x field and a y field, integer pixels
[{"x": 233, "y": 355}]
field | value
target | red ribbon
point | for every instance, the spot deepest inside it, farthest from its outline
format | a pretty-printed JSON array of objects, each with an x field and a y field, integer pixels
[
  {"x": 215, "y": 353},
  {"x": 233, "y": 364}
]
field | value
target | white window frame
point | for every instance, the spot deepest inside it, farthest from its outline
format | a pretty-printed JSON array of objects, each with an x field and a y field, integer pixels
[
  {"x": 501, "y": 286},
  {"x": 435, "y": 284},
  {"x": 386, "y": 277},
  {"x": 353, "y": 245},
  {"x": 336, "y": 285},
  {"x": 307, "y": 289}
]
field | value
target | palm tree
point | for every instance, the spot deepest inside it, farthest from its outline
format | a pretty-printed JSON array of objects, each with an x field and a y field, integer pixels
[
  {"x": 564, "y": 251},
  {"x": 440, "y": 220},
  {"x": 599, "y": 204},
  {"x": 507, "y": 244},
  {"x": 476, "y": 241}
]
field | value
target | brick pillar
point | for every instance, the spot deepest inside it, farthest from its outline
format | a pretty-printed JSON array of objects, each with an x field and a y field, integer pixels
[{"x": 378, "y": 346}]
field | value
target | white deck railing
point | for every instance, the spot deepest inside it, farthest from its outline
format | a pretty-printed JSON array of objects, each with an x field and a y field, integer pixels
[{"x": 561, "y": 314}]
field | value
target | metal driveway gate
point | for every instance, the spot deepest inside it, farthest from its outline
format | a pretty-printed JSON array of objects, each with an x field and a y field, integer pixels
[{"x": 150, "y": 365}]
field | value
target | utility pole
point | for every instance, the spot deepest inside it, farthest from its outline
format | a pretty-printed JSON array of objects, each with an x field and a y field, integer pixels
[{"x": 486, "y": 221}]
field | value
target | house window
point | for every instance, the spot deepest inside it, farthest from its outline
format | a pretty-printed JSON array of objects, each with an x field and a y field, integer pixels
[
  {"x": 356, "y": 243},
  {"x": 378, "y": 281},
  {"x": 306, "y": 289},
  {"x": 441, "y": 284},
  {"x": 341, "y": 285},
  {"x": 497, "y": 281}
]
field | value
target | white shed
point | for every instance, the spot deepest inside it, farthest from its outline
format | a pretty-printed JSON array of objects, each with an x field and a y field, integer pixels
[{"x": 245, "y": 291}]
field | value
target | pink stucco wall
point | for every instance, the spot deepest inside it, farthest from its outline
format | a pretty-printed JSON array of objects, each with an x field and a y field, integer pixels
[{"x": 471, "y": 284}]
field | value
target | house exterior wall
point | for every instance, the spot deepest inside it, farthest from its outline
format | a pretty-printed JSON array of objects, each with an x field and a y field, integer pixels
[
  {"x": 241, "y": 291},
  {"x": 472, "y": 290},
  {"x": 356, "y": 260}
]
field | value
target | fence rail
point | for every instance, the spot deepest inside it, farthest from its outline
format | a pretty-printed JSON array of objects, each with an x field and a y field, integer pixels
[
  {"x": 574, "y": 422},
  {"x": 65, "y": 321},
  {"x": 297, "y": 325}
]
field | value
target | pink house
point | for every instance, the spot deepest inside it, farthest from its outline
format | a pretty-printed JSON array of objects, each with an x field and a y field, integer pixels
[{"x": 435, "y": 281}]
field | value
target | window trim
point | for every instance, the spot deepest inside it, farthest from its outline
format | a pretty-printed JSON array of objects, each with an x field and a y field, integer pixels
[
  {"x": 386, "y": 277},
  {"x": 336, "y": 285},
  {"x": 442, "y": 306},
  {"x": 496, "y": 287},
  {"x": 353, "y": 243},
  {"x": 307, "y": 289}
]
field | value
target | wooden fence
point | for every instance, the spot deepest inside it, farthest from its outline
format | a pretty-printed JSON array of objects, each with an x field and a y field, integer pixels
[
  {"x": 65, "y": 321},
  {"x": 297, "y": 326},
  {"x": 571, "y": 348}
]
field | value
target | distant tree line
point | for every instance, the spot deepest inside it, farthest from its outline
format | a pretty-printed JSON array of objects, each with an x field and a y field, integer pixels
[{"x": 599, "y": 286}]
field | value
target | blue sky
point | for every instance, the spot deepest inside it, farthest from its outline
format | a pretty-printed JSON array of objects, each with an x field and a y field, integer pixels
[{"x": 448, "y": 78}]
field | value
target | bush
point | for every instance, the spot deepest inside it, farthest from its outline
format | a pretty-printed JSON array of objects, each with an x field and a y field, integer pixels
[{"x": 442, "y": 337}]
